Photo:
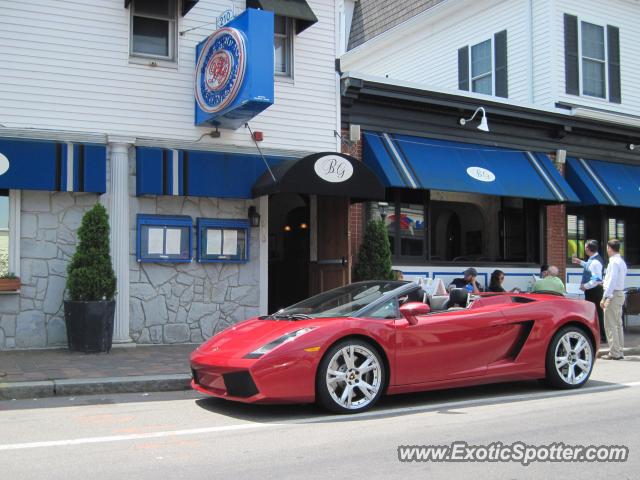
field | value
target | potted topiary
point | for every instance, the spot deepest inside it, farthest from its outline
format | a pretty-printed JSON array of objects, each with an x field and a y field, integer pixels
[
  {"x": 91, "y": 287},
  {"x": 374, "y": 257}
]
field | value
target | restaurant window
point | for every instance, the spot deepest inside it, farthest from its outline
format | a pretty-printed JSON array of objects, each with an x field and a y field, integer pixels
[
  {"x": 462, "y": 227},
  {"x": 405, "y": 219},
  {"x": 283, "y": 46},
  {"x": 153, "y": 28},
  {"x": 575, "y": 236},
  {"x": 406, "y": 222},
  {"x": 4, "y": 232},
  {"x": 616, "y": 229}
]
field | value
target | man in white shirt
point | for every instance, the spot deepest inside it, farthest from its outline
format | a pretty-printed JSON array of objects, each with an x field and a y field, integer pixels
[
  {"x": 591, "y": 283},
  {"x": 613, "y": 300}
]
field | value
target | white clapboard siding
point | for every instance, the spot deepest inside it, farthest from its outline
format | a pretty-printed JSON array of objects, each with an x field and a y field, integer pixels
[
  {"x": 427, "y": 52},
  {"x": 424, "y": 50},
  {"x": 65, "y": 65},
  {"x": 624, "y": 14},
  {"x": 544, "y": 52}
]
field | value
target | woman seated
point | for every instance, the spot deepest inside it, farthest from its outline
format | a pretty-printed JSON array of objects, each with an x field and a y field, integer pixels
[{"x": 495, "y": 284}]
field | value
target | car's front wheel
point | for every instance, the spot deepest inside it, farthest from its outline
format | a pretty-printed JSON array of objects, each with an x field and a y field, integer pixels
[
  {"x": 351, "y": 377},
  {"x": 569, "y": 358}
]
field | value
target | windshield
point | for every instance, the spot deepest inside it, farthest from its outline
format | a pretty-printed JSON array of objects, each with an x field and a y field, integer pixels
[{"x": 342, "y": 301}]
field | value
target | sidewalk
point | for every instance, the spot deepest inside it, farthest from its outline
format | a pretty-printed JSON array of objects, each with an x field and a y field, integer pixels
[
  {"x": 46, "y": 373},
  {"x": 145, "y": 368}
]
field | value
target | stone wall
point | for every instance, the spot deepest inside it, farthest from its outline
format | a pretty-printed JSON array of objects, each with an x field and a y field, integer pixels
[
  {"x": 189, "y": 302},
  {"x": 34, "y": 318}
]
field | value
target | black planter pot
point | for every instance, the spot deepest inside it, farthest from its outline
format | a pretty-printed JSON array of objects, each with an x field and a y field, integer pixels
[{"x": 89, "y": 325}]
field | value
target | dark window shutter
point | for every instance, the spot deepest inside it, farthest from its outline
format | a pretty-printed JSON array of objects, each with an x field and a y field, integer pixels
[
  {"x": 571, "y": 65},
  {"x": 463, "y": 68},
  {"x": 500, "y": 53},
  {"x": 613, "y": 56}
]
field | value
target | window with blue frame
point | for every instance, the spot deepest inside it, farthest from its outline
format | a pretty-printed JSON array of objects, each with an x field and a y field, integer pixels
[
  {"x": 164, "y": 238},
  {"x": 223, "y": 240}
]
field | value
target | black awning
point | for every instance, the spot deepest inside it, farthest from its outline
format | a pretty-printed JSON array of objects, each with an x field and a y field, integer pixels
[
  {"x": 327, "y": 173},
  {"x": 298, "y": 9},
  {"x": 186, "y": 5}
]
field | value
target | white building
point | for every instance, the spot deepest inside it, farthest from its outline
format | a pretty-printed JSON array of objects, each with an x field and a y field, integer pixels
[
  {"x": 93, "y": 91},
  {"x": 555, "y": 77}
]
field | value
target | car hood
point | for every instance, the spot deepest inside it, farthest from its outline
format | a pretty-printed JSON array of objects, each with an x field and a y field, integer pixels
[{"x": 247, "y": 336}]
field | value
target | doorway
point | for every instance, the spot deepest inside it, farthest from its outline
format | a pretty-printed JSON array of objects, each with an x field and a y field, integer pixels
[{"x": 289, "y": 249}]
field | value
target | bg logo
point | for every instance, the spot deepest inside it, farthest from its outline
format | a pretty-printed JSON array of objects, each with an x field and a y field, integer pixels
[
  {"x": 481, "y": 174},
  {"x": 220, "y": 70},
  {"x": 333, "y": 168}
]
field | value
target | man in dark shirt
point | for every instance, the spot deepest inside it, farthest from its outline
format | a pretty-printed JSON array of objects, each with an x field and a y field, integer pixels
[{"x": 468, "y": 282}]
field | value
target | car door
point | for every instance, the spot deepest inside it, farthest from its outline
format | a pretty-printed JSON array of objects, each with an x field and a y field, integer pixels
[{"x": 450, "y": 344}]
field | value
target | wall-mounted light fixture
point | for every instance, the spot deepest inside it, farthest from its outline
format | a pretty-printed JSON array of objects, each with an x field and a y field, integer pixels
[
  {"x": 254, "y": 216},
  {"x": 632, "y": 146},
  {"x": 383, "y": 209},
  {"x": 483, "y": 122}
]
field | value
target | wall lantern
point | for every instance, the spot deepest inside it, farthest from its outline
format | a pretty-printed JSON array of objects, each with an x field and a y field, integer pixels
[{"x": 254, "y": 216}]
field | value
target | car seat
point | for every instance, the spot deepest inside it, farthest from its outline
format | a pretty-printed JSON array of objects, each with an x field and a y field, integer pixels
[{"x": 458, "y": 298}]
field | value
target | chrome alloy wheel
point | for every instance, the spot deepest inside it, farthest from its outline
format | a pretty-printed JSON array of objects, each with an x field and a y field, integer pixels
[
  {"x": 573, "y": 357},
  {"x": 354, "y": 377}
]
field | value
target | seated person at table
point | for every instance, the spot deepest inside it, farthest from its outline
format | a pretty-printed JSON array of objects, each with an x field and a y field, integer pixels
[
  {"x": 495, "y": 284},
  {"x": 468, "y": 282},
  {"x": 550, "y": 283}
]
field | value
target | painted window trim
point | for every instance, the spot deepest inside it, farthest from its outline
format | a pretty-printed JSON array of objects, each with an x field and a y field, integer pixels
[
  {"x": 165, "y": 61},
  {"x": 204, "y": 224},
  {"x": 181, "y": 221},
  {"x": 581, "y": 57},
  {"x": 490, "y": 72},
  {"x": 290, "y": 25}
]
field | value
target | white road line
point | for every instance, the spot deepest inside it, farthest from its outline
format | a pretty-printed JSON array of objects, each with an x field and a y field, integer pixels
[
  {"x": 322, "y": 419},
  {"x": 135, "y": 436}
]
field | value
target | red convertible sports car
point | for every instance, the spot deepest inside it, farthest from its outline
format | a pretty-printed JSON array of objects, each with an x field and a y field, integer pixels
[{"x": 347, "y": 347}]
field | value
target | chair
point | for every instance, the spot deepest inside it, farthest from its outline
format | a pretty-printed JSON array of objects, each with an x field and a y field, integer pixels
[{"x": 631, "y": 304}]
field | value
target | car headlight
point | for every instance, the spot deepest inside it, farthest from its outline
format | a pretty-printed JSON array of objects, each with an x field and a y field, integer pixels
[{"x": 277, "y": 342}]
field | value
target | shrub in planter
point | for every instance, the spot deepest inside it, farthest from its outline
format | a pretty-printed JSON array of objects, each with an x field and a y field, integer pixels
[
  {"x": 9, "y": 282},
  {"x": 91, "y": 286},
  {"x": 374, "y": 257}
]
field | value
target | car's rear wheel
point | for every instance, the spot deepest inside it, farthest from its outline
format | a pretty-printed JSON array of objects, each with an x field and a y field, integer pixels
[
  {"x": 351, "y": 377},
  {"x": 569, "y": 358}
]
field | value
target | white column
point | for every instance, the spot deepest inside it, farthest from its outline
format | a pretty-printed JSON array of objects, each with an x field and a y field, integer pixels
[{"x": 118, "y": 205}]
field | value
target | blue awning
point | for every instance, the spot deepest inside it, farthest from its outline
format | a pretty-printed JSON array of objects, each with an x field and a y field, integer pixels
[
  {"x": 198, "y": 173},
  {"x": 423, "y": 163},
  {"x": 604, "y": 183},
  {"x": 52, "y": 166}
]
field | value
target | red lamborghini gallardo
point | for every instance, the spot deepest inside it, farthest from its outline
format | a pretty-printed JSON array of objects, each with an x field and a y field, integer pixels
[{"x": 347, "y": 347}]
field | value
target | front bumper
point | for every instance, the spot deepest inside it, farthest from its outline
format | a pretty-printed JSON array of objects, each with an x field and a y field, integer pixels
[{"x": 282, "y": 379}]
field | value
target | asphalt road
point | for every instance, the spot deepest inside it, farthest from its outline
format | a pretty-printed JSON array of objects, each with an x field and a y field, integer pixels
[{"x": 185, "y": 435}]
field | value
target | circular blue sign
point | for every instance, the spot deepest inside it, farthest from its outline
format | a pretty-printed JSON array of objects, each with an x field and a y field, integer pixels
[{"x": 220, "y": 70}]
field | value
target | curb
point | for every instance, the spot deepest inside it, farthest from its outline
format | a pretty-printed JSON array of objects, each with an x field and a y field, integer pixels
[
  {"x": 626, "y": 351},
  {"x": 93, "y": 386}
]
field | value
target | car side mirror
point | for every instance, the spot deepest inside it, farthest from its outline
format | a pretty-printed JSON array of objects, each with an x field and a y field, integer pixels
[{"x": 412, "y": 310}]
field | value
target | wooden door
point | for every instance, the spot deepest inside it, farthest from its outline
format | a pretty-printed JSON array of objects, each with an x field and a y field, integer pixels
[{"x": 332, "y": 268}]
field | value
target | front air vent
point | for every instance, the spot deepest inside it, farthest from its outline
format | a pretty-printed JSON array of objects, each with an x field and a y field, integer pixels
[{"x": 240, "y": 384}]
